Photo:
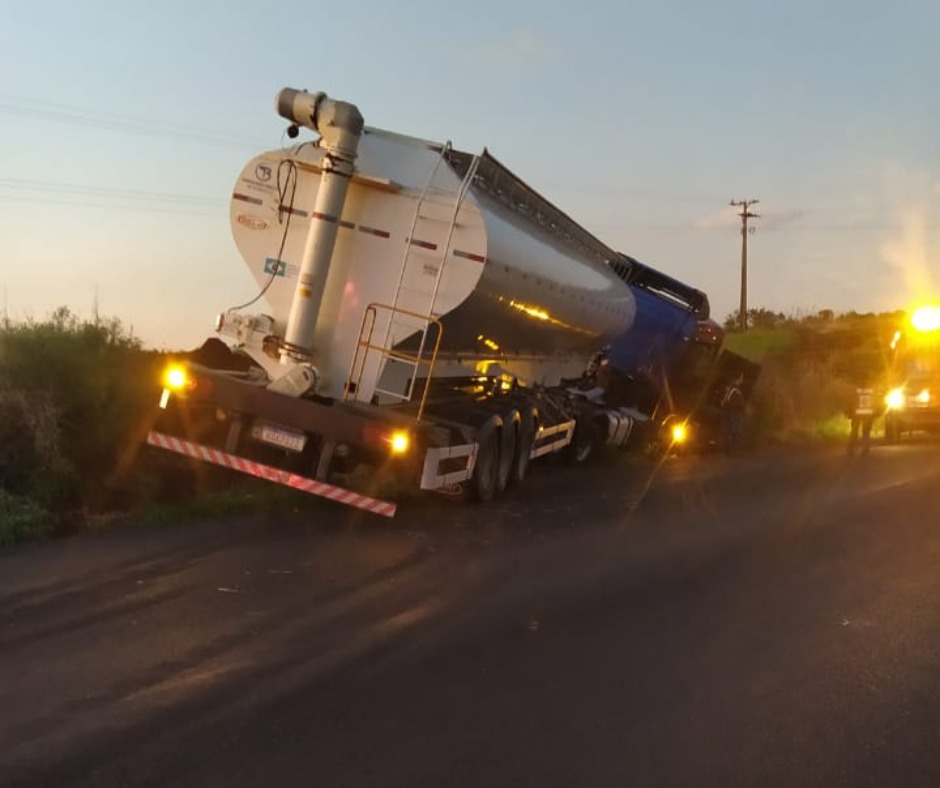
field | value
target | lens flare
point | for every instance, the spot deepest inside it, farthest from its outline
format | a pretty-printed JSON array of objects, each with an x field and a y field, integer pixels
[
  {"x": 895, "y": 399},
  {"x": 926, "y": 318},
  {"x": 399, "y": 442},
  {"x": 175, "y": 378}
]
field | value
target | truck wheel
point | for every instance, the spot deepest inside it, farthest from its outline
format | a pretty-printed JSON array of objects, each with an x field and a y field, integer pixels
[
  {"x": 507, "y": 451},
  {"x": 483, "y": 484},
  {"x": 583, "y": 444},
  {"x": 525, "y": 438}
]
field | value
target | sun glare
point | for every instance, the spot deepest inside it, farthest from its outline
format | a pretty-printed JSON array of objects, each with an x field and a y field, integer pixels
[{"x": 926, "y": 318}]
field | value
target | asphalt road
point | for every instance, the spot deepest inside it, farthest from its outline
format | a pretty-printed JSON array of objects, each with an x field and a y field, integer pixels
[{"x": 766, "y": 620}]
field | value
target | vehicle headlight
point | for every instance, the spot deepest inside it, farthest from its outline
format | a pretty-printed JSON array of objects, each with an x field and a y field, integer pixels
[
  {"x": 895, "y": 399},
  {"x": 924, "y": 397}
]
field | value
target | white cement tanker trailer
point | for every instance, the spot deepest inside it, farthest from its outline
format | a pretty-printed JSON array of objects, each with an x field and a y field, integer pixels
[{"x": 422, "y": 315}]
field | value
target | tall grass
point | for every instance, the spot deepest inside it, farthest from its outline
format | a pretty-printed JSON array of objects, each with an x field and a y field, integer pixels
[{"x": 74, "y": 399}]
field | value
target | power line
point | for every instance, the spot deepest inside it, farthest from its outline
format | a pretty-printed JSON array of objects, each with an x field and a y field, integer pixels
[
  {"x": 104, "y": 197},
  {"x": 589, "y": 187},
  {"x": 115, "y": 206},
  {"x": 122, "y": 123},
  {"x": 846, "y": 228},
  {"x": 28, "y": 184}
]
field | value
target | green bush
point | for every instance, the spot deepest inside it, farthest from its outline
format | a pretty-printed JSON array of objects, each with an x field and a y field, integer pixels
[
  {"x": 799, "y": 401},
  {"x": 29, "y": 437},
  {"x": 74, "y": 402},
  {"x": 807, "y": 382},
  {"x": 22, "y": 519}
]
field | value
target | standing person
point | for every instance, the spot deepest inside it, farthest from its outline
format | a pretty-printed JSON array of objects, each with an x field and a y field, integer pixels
[
  {"x": 862, "y": 415},
  {"x": 732, "y": 412}
]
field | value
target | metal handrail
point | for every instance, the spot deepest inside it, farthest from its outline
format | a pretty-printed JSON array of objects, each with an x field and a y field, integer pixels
[{"x": 365, "y": 344}]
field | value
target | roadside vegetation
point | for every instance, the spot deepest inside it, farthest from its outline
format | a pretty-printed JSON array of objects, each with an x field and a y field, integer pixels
[
  {"x": 77, "y": 396},
  {"x": 810, "y": 368},
  {"x": 72, "y": 405}
]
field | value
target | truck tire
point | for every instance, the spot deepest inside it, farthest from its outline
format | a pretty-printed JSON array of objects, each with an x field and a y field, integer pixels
[
  {"x": 484, "y": 482},
  {"x": 525, "y": 438},
  {"x": 584, "y": 443},
  {"x": 507, "y": 450}
]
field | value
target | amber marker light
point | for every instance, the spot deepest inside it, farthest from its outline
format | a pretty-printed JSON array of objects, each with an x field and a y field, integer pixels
[
  {"x": 680, "y": 433},
  {"x": 399, "y": 442},
  {"x": 176, "y": 378}
]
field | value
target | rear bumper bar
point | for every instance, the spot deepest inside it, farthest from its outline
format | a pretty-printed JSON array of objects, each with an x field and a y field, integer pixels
[{"x": 269, "y": 473}]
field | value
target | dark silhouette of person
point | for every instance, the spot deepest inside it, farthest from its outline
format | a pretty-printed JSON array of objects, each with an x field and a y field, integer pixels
[
  {"x": 862, "y": 415},
  {"x": 732, "y": 412}
]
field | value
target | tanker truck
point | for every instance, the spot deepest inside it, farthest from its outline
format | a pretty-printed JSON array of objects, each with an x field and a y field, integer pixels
[{"x": 424, "y": 320}]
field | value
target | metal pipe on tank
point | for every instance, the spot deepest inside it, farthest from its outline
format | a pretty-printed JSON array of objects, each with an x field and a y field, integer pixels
[{"x": 339, "y": 125}]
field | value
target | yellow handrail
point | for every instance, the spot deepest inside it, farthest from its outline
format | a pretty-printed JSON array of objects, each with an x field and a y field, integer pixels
[{"x": 365, "y": 345}]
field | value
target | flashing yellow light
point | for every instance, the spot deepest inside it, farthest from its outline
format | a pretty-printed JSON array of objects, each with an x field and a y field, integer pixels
[
  {"x": 924, "y": 397},
  {"x": 399, "y": 442},
  {"x": 176, "y": 378},
  {"x": 895, "y": 399},
  {"x": 680, "y": 432},
  {"x": 926, "y": 318}
]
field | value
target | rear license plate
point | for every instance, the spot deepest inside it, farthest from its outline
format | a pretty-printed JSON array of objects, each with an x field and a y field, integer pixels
[{"x": 277, "y": 436}]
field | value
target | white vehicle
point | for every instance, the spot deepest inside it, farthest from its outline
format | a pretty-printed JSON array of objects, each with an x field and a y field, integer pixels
[{"x": 422, "y": 308}]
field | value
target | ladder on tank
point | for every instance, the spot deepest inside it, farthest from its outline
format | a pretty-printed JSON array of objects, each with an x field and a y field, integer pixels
[{"x": 410, "y": 321}]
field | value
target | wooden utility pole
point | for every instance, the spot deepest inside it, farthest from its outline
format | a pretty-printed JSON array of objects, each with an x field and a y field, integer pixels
[{"x": 745, "y": 214}]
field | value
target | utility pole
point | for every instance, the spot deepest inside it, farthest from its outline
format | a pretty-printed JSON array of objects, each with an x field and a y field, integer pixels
[{"x": 745, "y": 214}]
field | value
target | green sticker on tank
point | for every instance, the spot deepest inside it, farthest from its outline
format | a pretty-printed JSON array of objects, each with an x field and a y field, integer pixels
[{"x": 276, "y": 267}]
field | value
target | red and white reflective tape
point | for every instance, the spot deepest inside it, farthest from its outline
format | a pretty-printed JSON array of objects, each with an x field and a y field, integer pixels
[
  {"x": 323, "y": 217},
  {"x": 373, "y": 231},
  {"x": 199, "y": 452},
  {"x": 362, "y": 228},
  {"x": 477, "y": 258},
  {"x": 292, "y": 211},
  {"x": 247, "y": 198}
]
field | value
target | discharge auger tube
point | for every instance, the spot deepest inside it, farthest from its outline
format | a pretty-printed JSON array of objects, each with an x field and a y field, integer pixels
[{"x": 339, "y": 125}]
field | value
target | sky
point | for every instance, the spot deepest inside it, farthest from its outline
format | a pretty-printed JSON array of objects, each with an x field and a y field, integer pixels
[{"x": 124, "y": 125}]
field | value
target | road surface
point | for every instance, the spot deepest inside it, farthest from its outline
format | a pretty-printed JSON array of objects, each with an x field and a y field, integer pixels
[{"x": 765, "y": 620}]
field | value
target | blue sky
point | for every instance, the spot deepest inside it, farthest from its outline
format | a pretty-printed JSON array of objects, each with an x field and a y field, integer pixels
[{"x": 124, "y": 125}]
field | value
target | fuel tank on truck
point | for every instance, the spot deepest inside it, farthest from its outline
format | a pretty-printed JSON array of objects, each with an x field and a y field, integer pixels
[{"x": 427, "y": 230}]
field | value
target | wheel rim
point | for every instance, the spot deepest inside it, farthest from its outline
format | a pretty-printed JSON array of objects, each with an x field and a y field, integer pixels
[
  {"x": 583, "y": 452},
  {"x": 584, "y": 447}
]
